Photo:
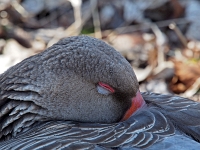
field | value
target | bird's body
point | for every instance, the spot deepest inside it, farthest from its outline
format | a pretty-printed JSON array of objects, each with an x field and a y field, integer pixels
[{"x": 74, "y": 94}]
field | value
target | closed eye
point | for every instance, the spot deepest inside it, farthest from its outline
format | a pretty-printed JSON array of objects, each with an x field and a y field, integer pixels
[{"x": 104, "y": 88}]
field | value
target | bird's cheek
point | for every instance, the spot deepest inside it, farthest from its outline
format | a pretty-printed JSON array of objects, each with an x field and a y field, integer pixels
[{"x": 137, "y": 103}]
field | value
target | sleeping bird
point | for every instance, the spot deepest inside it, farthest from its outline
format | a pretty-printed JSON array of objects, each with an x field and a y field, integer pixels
[{"x": 82, "y": 94}]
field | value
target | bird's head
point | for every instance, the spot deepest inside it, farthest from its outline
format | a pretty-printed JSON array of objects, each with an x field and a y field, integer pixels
[{"x": 79, "y": 78}]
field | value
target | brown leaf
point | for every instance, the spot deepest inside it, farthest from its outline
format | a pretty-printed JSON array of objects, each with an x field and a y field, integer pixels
[{"x": 186, "y": 73}]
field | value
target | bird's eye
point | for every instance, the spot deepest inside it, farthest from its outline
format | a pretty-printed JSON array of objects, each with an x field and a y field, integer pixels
[{"x": 104, "y": 88}]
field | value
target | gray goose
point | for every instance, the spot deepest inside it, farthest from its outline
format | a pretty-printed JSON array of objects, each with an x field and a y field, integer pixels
[{"x": 82, "y": 94}]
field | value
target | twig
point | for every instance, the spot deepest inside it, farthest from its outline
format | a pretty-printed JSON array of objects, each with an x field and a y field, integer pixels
[
  {"x": 77, "y": 12},
  {"x": 146, "y": 25},
  {"x": 72, "y": 30},
  {"x": 15, "y": 4},
  {"x": 161, "y": 41},
  {"x": 96, "y": 20},
  {"x": 182, "y": 38}
]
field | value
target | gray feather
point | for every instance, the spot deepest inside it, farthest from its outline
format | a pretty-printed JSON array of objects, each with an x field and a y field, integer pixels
[{"x": 39, "y": 95}]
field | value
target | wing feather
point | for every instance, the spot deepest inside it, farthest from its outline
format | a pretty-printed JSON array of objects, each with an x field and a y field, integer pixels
[
  {"x": 135, "y": 132},
  {"x": 184, "y": 113}
]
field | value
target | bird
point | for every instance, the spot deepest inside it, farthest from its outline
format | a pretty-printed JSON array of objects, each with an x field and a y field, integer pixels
[{"x": 81, "y": 93}]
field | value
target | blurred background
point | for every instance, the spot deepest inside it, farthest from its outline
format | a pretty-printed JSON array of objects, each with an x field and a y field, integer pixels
[{"x": 160, "y": 38}]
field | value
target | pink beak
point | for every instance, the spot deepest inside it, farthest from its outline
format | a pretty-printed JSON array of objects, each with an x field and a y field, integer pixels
[{"x": 137, "y": 102}]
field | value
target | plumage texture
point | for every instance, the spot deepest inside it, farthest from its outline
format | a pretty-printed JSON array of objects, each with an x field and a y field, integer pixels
[
  {"x": 61, "y": 81},
  {"x": 133, "y": 132},
  {"x": 51, "y": 101}
]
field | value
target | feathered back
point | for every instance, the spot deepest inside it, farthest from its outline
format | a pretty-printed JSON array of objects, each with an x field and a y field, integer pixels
[
  {"x": 184, "y": 113},
  {"x": 142, "y": 130}
]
